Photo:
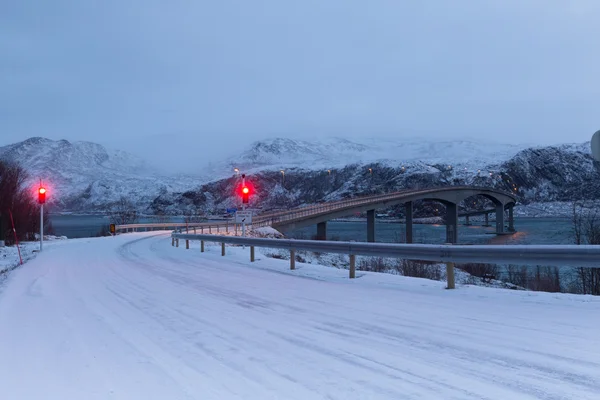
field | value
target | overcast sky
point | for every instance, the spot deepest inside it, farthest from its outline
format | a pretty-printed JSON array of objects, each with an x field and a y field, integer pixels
[{"x": 187, "y": 76}]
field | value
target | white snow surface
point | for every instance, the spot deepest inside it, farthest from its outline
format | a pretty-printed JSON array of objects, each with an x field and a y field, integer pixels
[{"x": 133, "y": 318}]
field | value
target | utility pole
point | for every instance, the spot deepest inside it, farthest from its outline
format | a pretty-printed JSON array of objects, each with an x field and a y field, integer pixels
[
  {"x": 244, "y": 205},
  {"x": 41, "y": 200}
]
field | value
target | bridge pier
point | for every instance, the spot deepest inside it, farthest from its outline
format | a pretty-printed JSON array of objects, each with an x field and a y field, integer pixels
[
  {"x": 467, "y": 222},
  {"x": 451, "y": 223},
  {"x": 487, "y": 220},
  {"x": 408, "y": 211},
  {"x": 370, "y": 225},
  {"x": 511, "y": 219},
  {"x": 322, "y": 230},
  {"x": 499, "y": 218}
]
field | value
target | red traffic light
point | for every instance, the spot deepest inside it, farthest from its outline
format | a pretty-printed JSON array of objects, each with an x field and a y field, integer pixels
[
  {"x": 42, "y": 195},
  {"x": 245, "y": 190}
]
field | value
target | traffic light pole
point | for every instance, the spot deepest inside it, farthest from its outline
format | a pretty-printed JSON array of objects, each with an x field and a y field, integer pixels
[
  {"x": 243, "y": 207},
  {"x": 243, "y": 222},
  {"x": 41, "y": 226}
]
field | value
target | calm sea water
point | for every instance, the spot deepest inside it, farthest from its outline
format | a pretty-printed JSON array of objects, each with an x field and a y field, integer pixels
[
  {"x": 79, "y": 226},
  {"x": 529, "y": 230}
]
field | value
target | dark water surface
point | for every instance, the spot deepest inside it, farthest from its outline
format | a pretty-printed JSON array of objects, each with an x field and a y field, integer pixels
[
  {"x": 79, "y": 226},
  {"x": 529, "y": 230}
]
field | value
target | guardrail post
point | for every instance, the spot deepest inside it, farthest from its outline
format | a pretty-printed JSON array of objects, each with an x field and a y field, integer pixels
[
  {"x": 352, "y": 266},
  {"x": 227, "y": 227},
  {"x": 172, "y": 241},
  {"x": 202, "y": 229},
  {"x": 450, "y": 275},
  {"x": 251, "y": 253},
  {"x": 194, "y": 230},
  {"x": 236, "y": 229},
  {"x": 187, "y": 243},
  {"x": 292, "y": 259},
  {"x": 202, "y": 246},
  {"x": 177, "y": 242},
  {"x": 209, "y": 229},
  {"x": 222, "y": 249}
]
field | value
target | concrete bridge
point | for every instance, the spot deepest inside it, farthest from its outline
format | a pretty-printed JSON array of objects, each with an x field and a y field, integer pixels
[{"x": 450, "y": 197}]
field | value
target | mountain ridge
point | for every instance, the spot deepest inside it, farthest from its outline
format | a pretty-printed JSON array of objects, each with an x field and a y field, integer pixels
[{"x": 86, "y": 176}]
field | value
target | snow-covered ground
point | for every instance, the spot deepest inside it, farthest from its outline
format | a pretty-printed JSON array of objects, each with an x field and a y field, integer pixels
[
  {"x": 131, "y": 317},
  {"x": 9, "y": 255}
]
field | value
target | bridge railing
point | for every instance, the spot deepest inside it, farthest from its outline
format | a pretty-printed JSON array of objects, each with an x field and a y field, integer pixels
[
  {"x": 335, "y": 206},
  {"x": 547, "y": 255}
]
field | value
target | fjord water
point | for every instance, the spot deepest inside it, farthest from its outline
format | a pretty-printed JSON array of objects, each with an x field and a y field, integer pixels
[
  {"x": 529, "y": 230},
  {"x": 80, "y": 226}
]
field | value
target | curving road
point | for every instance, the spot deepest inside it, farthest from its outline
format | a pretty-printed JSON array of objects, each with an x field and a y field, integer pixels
[{"x": 133, "y": 318}]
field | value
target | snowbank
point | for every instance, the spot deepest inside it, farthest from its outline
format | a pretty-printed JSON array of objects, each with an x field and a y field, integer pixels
[
  {"x": 9, "y": 255},
  {"x": 267, "y": 232}
]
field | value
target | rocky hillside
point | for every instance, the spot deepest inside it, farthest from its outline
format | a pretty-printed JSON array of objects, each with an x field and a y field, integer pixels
[{"x": 542, "y": 174}]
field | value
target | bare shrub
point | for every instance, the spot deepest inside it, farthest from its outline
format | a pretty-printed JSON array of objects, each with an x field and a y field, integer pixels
[
  {"x": 517, "y": 275},
  {"x": 485, "y": 271},
  {"x": 18, "y": 200},
  {"x": 541, "y": 279},
  {"x": 545, "y": 279},
  {"x": 419, "y": 269},
  {"x": 123, "y": 212},
  {"x": 373, "y": 264},
  {"x": 586, "y": 230}
]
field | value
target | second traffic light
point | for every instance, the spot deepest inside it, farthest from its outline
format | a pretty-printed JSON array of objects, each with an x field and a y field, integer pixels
[
  {"x": 42, "y": 195},
  {"x": 245, "y": 194}
]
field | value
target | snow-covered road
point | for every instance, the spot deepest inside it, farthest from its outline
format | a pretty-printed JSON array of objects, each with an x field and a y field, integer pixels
[{"x": 133, "y": 318}]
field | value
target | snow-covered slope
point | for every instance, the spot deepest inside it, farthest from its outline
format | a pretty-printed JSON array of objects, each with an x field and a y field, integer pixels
[{"x": 87, "y": 176}]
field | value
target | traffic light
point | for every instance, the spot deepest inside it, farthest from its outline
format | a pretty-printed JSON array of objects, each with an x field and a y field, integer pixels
[
  {"x": 245, "y": 194},
  {"x": 41, "y": 195}
]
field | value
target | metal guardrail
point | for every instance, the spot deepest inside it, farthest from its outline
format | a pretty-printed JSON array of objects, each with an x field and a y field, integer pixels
[
  {"x": 219, "y": 226},
  {"x": 547, "y": 255}
]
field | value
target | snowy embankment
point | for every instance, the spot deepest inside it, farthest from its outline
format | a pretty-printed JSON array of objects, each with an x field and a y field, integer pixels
[
  {"x": 9, "y": 255},
  {"x": 131, "y": 317}
]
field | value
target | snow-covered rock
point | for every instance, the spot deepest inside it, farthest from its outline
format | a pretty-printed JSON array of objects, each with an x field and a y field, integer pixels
[{"x": 266, "y": 232}]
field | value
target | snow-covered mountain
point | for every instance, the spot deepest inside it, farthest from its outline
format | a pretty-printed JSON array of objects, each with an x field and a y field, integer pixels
[
  {"x": 87, "y": 177},
  {"x": 328, "y": 153},
  {"x": 537, "y": 174},
  {"x": 84, "y": 176}
]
